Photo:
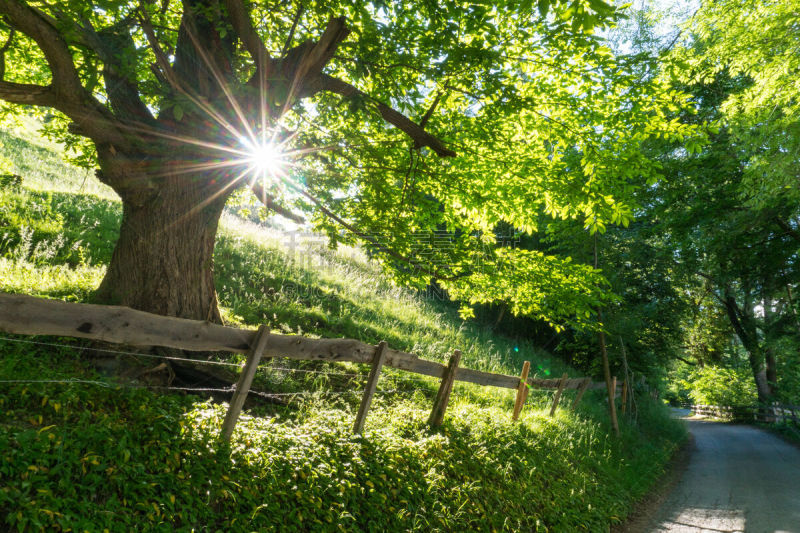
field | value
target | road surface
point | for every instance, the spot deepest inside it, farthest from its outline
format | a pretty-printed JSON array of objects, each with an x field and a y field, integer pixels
[{"x": 739, "y": 478}]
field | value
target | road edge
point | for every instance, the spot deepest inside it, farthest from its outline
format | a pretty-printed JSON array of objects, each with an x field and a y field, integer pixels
[{"x": 640, "y": 519}]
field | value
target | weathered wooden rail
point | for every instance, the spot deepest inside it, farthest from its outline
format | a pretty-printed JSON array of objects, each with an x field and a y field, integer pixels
[
  {"x": 27, "y": 315},
  {"x": 775, "y": 414}
]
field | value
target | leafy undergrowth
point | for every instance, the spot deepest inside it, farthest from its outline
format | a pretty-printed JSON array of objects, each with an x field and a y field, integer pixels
[
  {"x": 80, "y": 450},
  {"x": 84, "y": 456}
]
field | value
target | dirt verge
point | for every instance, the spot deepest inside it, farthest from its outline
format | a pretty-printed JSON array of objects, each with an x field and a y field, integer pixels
[{"x": 641, "y": 518}]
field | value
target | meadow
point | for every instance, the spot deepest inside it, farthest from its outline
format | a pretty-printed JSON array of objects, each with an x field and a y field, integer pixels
[{"x": 88, "y": 449}]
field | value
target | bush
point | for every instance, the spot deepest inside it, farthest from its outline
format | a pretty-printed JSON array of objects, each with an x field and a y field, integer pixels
[{"x": 716, "y": 385}]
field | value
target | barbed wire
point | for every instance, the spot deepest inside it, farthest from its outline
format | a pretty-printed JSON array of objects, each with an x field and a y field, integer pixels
[
  {"x": 398, "y": 378},
  {"x": 228, "y": 390},
  {"x": 180, "y": 359},
  {"x": 119, "y": 352}
]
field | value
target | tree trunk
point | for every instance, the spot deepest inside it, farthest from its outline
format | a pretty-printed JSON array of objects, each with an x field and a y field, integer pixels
[
  {"x": 612, "y": 407},
  {"x": 743, "y": 324},
  {"x": 163, "y": 260},
  {"x": 770, "y": 325}
]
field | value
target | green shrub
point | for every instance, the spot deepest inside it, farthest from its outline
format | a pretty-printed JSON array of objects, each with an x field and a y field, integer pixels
[
  {"x": 788, "y": 360},
  {"x": 716, "y": 385}
]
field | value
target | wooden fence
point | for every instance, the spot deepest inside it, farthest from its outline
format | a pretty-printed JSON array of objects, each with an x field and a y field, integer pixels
[
  {"x": 27, "y": 315},
  {"x": 774, "y": 414}
]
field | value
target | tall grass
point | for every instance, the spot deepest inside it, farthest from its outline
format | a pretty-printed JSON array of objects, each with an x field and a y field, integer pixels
[
  {"x": 79, "y": 455},
  {"x": 43, "y": 167},
  {"x": 83, "y": 456},
  {"x": 297, "y": 284}
]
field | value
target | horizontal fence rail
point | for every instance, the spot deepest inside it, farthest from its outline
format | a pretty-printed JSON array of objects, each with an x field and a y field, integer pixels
[
  {"x": 28, "y": 315},
  {"x": 775, "y": 413}
]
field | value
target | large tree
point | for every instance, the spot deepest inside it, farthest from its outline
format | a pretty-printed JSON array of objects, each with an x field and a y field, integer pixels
[
  {"x": 418, "y": 127},
  {"x": 734, "y": 221},
  {"x": 727, "y": 247}
]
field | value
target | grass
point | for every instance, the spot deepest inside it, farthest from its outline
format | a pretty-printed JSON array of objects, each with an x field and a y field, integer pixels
[
  {"x": 298, "y": 285},
  {"x": 39, "y": 161},
  {"x": 83, "y": 456},
  {"x": 80, "y": 449}
]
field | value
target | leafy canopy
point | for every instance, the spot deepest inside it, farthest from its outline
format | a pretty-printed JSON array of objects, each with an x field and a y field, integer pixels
[
  {"x": 758, "y": 41},
  {"x": 421, "y": 128}
]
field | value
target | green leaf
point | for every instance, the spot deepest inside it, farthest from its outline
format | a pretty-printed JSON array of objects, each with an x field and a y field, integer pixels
[{"x": 544, "y": 7}]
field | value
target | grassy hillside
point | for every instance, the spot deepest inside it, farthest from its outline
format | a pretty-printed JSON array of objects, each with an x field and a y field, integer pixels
[{"x": 85, "y": 448}]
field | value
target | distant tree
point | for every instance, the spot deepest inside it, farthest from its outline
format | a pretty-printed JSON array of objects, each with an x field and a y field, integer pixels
[
  {"x": 739, "y": 225},
  {"x": 417, "y": 127},
  {"x": 758, "y": 41},
  {"x": 731, "y": 245}
]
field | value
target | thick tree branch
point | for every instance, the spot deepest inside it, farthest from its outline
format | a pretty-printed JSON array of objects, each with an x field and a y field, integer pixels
[
  {"x": 109, "y": 44},
  {"x": 300, "y": 69},
  {"x": 308, "y": 59},
  {"x": 240, "y": 20},
  {"x": 121, "y": 88},
  {"x": 303, "y": 65},
  {"x": 397, "y": 119},
  {"x": 3, "y": 51},
  {"x": 270, "y": 203},
  {"x": 66, "y": 92},
  {"x": 739, "y": 322},
  {"x": 204, "y": 54},
  {"x": 27, "y": 94},
  {"x": 290, "y": 36},
  {"x": 431, "y": 109},
  {"x": 66, "y": 81},
  {"x": 164, "y": 66}
]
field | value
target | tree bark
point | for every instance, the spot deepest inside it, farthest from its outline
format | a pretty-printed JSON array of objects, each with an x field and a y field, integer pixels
[
  {"x": 612, "y": 407},
  {"x": 770, "y": 362},
  {"x": 163, "y": 259},
  {"x": 743, "y": 324}
]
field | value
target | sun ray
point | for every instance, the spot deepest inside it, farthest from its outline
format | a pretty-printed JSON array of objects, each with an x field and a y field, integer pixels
[
  {"x": 189, "y": 168},
  {"x": 211, "y": 197},
  {"x": 188, "y": 140},
  {"x": 263, "y": 155},
  {"x": 224, "y": 86}
]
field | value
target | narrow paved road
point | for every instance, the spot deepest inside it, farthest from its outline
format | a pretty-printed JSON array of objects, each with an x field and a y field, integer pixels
[{"x": 739, "y": 478}]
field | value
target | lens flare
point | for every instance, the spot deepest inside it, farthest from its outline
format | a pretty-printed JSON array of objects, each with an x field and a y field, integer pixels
[{"x": 266, "y": 159}]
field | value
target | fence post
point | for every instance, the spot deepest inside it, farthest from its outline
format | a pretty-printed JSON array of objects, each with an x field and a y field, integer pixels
[
  {"x": 522, "y": 390},
  {"x": 443, "y": 395},
  {"x": 245, "y": 380},
  {"x": 557, "y": 397},
  {"x": 581, "y": 390},
  {"x": 372, "y": 384},
  {"x": 624, "y": 395}
]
